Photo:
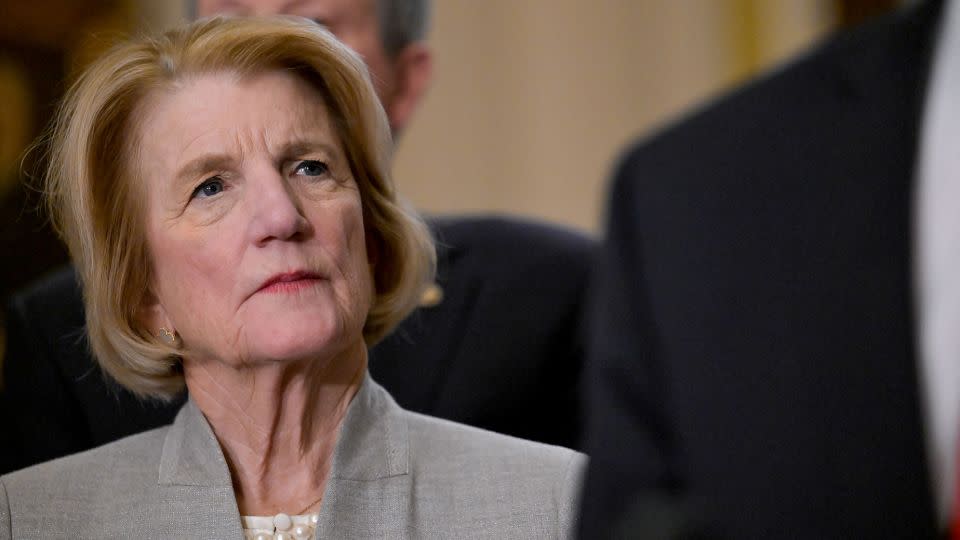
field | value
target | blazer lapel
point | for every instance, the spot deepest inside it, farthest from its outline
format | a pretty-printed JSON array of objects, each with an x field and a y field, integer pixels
[
  {"x": 367, "y": 495},
  {"x": 194, "y": 477},
  {"x": 865, "y": 193},
  {"x": 886, "y": 91}
]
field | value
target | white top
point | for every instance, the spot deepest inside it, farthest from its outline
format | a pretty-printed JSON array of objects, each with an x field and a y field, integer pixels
[
  {"x": 937, "y": 261},
  {"x": 279, "y": 527}
]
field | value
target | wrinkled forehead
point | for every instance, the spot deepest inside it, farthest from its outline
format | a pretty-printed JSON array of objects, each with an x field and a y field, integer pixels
[
  {"x": 227, "y": 113},
  {"x": 232, "y": 95}
]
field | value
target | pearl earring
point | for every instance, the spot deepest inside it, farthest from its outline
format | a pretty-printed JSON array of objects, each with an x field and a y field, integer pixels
[{"x": 168, "y": 336}]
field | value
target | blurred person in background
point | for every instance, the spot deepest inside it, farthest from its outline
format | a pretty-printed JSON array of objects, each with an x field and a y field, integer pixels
[
  {"x": 775, "y": 344},
  {"x": 495, "y": 343},
  {"x": 225, "y": 196}
]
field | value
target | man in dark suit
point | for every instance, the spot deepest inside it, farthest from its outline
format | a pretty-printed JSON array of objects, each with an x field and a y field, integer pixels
[
  {"x": 754, "y": 367},
  {"x": 495, "y": 343}
]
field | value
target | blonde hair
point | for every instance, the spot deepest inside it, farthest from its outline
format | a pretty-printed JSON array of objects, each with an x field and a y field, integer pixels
[{"x": 97, "y": 207}]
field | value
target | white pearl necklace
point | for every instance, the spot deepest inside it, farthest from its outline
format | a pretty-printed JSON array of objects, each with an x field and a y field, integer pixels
[{"x": 279, "y": 527}]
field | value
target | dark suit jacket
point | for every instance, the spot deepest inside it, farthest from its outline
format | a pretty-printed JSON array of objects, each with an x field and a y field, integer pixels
[
  {"x": 752, "y": 367},
  {"x": 502, "y": 351}
]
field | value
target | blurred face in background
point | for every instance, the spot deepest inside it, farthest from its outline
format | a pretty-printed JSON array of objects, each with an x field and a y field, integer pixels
[{"x": 399, "y": 81}]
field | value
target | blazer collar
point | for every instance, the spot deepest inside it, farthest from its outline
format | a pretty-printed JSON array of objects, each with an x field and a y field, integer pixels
[
  {"x": 191, "y": 455},
  {"x": 373, "y": 443}
]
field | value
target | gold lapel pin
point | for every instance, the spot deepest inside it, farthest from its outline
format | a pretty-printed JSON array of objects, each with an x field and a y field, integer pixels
[{"x": 431, "y": 296}]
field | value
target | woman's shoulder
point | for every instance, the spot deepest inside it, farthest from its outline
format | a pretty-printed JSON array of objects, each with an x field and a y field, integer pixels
[
  {"x": 448, "y": 452},
  {"x": 161, "y": 483},
  {"x": 91, "y": 474},
  {"x": 468, "y": 479},
  {"x": 435, "y": 441}
]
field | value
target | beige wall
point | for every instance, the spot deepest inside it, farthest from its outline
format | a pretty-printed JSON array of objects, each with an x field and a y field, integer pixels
[
  {"x": 533, "y": 99},
  {"x": 157, "y": 15}
]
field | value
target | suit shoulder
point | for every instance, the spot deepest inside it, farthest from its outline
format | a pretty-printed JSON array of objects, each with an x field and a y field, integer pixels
[
  {"x": 90, "y": 474},
  {"x": 803, "y": 92},
  {"x": 525, "y": 239},
  {"x": 6, "y": 529},
  {"x": 50, "y": 305},
  {"x": 446, "y": 447},
  {"x": 48, "y": 294},
  {"x": 469, "y": 479}
]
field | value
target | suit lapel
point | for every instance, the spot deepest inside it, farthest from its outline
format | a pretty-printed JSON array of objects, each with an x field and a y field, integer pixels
[
  {"x": 194, "y": 478},
  {"x": 367, "y": 495},
  {"x": 881, "y": 90},
  {"x": 191, "y": 454}
]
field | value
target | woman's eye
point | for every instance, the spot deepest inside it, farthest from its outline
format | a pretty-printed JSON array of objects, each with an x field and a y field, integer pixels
[
  {"x": 311, "y": 168},
  {"x": 209, "y": 188}
]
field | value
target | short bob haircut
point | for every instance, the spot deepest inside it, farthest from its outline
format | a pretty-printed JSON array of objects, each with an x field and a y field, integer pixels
[{"x": 97, "y": 205}]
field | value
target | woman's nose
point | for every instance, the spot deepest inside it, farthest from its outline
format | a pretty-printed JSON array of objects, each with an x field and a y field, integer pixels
[{"x": 277, "y": 211}]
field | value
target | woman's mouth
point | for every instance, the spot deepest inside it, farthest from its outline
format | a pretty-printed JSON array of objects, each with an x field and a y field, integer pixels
[{"x": 289, "y": 282}]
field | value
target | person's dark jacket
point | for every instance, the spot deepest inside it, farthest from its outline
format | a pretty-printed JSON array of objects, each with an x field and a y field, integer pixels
[{"x": 753, "y": 366}]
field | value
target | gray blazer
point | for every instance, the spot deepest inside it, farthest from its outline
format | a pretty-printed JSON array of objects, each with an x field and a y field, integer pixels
[{"x": 395, "y": 474}]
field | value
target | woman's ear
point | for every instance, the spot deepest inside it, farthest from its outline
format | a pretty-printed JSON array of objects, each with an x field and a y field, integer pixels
[{"x": 152, "y": 316}]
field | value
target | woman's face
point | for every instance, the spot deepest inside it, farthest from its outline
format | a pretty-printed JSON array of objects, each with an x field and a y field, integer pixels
[{"x": 254, "y": 222}]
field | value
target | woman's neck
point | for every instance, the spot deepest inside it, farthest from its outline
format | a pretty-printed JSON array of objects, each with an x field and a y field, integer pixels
[{"x": 277, "y": 425}]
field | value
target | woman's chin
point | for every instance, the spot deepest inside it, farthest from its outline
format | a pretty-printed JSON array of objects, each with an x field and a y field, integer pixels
[{"x": 301, "y": 342}]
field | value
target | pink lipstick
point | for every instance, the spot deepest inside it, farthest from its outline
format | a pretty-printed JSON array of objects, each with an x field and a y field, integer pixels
[{"x": 289, "y": 282}]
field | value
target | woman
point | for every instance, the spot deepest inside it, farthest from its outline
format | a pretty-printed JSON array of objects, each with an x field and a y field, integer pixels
[{"x": 223, "y": 191}]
